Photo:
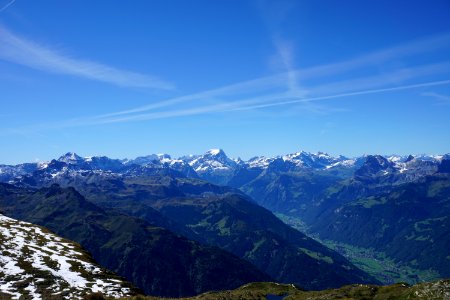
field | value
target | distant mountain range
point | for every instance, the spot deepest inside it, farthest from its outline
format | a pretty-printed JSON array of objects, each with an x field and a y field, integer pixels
[
  {"x": 179, "y": 227},
  {"x": 215, "y": 166}
]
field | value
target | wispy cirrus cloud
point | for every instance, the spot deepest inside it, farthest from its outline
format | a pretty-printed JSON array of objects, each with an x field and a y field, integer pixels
[
  {"x": 2, "y": 9},
  {"x": 272, "y": 91},
  {"x": 274, "y": 100},
  {"x": 395, "y": 77},
  {"x": 348, "y": 94},
  {"x": 281, "y": 99},
  {"x": 274, "y": 15},
  {"x": 439, "y": 99},
  {"x": 19, "y": 50},
  {"x": 278, "y": 82},
  {"x": 339, "y": 89},
  {"x": 285, "y": 59}
]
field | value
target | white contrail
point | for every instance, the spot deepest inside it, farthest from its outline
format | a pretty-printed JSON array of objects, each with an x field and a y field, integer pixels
[
  {"x": 358, "y": 93},
  {"x": 221, "y": 107},
  {"x": 252, "y": 104},
  {"x": 440, "y": 99},
  {"x": 397, "y": 77},
  {"x": 335, "y": 88},
  {"x": 7, "y": 5},
  {"x": 278, "y": 81}
]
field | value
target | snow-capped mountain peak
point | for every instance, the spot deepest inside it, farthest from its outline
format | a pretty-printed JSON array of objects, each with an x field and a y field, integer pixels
[
  {"x": 259, "y": 162},
  {"x": 215, "y": 152},
  {"x": 217, "y": 155},
  {"x": 142, "y": 160},
  {"x": 319, "y": 160},
  {"x": 71, "y": 158},
  {"x": 217, "y": 167},
  {"x": 213, "y": 158},
  {"x": 165, "y": 158},
  {"x": 214, "y": 162}
]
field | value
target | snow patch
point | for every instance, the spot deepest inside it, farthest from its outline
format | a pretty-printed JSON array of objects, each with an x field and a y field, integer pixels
[{"x": 27, "y": 252}]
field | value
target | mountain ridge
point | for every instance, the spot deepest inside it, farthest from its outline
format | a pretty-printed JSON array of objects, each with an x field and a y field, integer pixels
[
  {"x": 154, "y": 259},
  {"x": 202, "y": 196},
  {"x": 216, "y": 166}
]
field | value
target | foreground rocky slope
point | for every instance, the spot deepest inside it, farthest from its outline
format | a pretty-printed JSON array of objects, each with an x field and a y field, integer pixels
[{"x": 37, "y": 264}]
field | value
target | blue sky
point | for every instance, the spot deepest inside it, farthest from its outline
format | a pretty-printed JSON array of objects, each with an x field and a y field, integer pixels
[{"x": 124, "y": 79}]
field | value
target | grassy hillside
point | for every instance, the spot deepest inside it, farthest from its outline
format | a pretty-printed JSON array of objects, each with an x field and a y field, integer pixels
[
  {"x": 438, "y": 290},
  {"x": 152, "y": 258},
  {"x": 223, "y": 217},
  {"x": 376, "y": 263},
  {"x": 409, "y": 223}
]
